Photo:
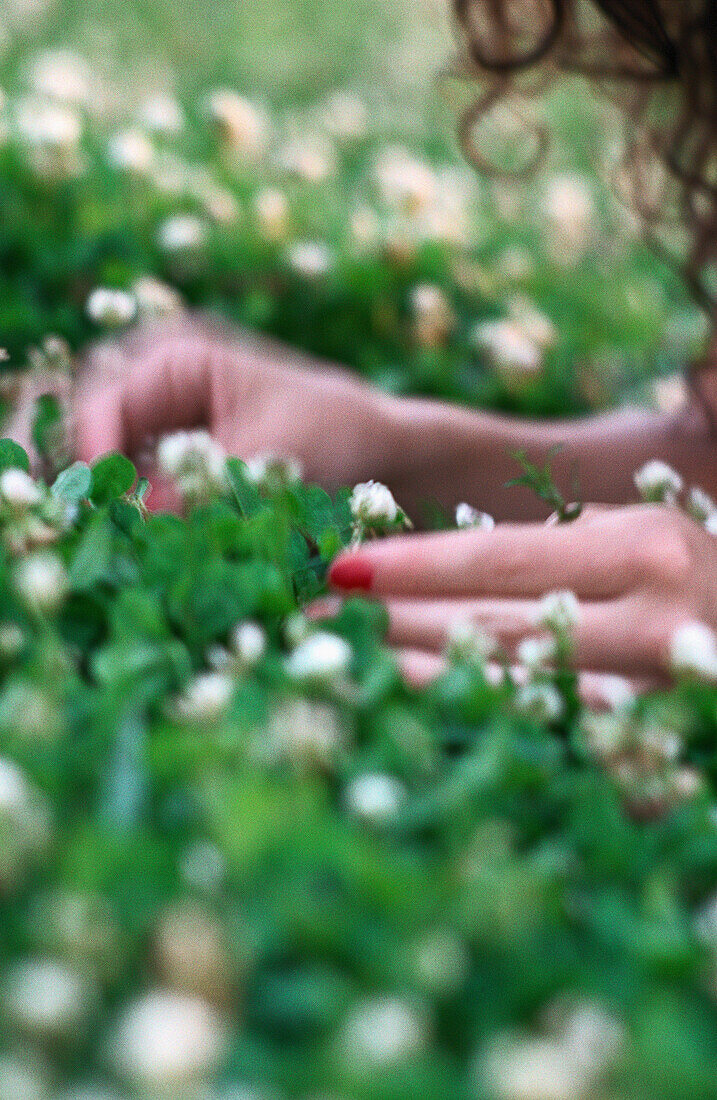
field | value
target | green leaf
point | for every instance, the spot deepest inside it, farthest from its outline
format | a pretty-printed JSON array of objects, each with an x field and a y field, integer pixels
[
  {"x": 73, "y": 484},
  {"x": 13, "y": 457},
  {"x": 93, "y": 554},
  {"x": 112, "y": 477},
  {"x": 47, "y": 424},
  {"x": 247, "y": 495}
]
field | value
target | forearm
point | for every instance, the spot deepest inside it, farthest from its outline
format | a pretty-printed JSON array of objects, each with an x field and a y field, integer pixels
[{"x": 447, "y": 454}]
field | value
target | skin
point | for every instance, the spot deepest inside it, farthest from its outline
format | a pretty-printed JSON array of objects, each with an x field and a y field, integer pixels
[{"x": 639, "y": 571}]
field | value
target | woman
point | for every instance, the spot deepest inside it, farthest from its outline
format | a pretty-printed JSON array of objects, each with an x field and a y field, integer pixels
[{"x": 639, "y": 571}]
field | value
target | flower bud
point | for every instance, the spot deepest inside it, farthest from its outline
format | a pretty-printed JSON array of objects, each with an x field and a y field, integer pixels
[
  {"x": 558, "y": 612},
  {"x": 111, "y": 308},
  {"x": 19, "y": 490},
  {"x": 693, "y": 652},
  {"x": 321, "y": 656},
  {"x": 165, "y": 1043},
  {"x": 249, "y": 643},
  {"x": 373, "y": 503},
  {"x": 42, "y": 582},
  {"x": 658, "y": 483},
  {"x": 467, "y": 516}
]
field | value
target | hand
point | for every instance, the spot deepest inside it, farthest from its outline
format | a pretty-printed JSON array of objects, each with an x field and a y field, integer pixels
[
  {"x": 639, "y": 573},
  {"x": 253, "y": 396}
]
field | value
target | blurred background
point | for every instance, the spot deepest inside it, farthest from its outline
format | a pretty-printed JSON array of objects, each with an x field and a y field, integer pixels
[{"x": 311, "y": 145}]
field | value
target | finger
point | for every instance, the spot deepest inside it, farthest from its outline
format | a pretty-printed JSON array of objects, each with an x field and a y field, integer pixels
[
  {"x": 419, "y": 668},
  {"x": 427, "y": 624},
  {"x": 98, "y": 425},
  {"x": 599, "y": 692},
  {"x": 607, "y": 638},
  {"x": 512, "y": 560},
  {"x": 120, "y": 407}
]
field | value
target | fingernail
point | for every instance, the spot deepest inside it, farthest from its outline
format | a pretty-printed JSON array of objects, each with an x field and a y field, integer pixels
[{"x": 351, "y": 574}]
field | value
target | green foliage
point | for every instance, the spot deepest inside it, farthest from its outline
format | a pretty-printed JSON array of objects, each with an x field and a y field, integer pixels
[
  {"x": 509, "y": 870},
  {"x": 539, "y": 479}
]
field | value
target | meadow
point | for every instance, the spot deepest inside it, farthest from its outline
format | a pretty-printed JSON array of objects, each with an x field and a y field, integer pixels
[{"x": 240, "y": 858}]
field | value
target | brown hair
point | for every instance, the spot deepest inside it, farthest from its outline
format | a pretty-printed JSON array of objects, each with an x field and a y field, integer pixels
[{"x": 658, "y": 60}]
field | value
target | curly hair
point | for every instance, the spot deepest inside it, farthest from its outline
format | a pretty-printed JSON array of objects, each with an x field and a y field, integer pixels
[{"x": 657, "y": 59}]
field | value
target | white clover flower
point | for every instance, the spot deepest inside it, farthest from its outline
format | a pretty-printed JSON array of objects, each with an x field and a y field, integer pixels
[
  {"x": 405, "y": 182},
  {"x": 131, "y": 151},
  {"x": 558, "y": 612},
  {"x": 515, "y": 355},
  {"x": 182, "y": 233},
  {"x": 49, "y": 126},
  {"x": 606, "y": 735},
  {"x": 433, "y": 315},
  {"x": 541, "y": 701},
  {"x": 271, "y": 212},
  {"x": 616, "y": 693},
  {"x": 522, "y": 1068},
  {"x": 693, "y": 652},
  {"x": 658, "y": 483},
  {"x": 242, "y": 124},
  {"x": 162, "y": 114},
  {"x": 663, "y": 744},
  {"x": 16, "y": 794},
  {"x": 321, "y": 656},
  {"x": 467, "y": 516},
  {"x": 206, "y": 698},
  {"x": 41, "y": 581},
  {"x": 312, "y": 161},
  {"x": 468, "y": 641},
  {"x": 310, "y": 259},
  {"x": 156, "y": 299},
  {"x": 165, "y": 1042},
  {"x": 221, "y": 205},
  {"x": 194, "y": 461},
  {"x": 569, "y": 219},
  {"x": 248, "y": 641},
  {"x": 47, "y": 999},
  {"x": 384, "y": 1032},
  {"x": 532, "y": 322},
  {"x": 591, "y": 1038},
  {"x": 345, "y": 116},
  {"x": 537, "y": 654},
  {"x": 25, "y": 820},
  {"x": 189, "y": 952},
  {"x": 365, "y": 228},
  {"x": 700, "y": 505},
  {"x": 688, "y": 783},
  {"x": 62, "y": 75},
  {"x": 29, "y": 711},
  {"x": 374, "y": 797},
  {"x": 19, "y": 490},
  {"x": 270, "y": 471},
  {"x": 373, "y": 504},
  {"x": 111, "y": 308},
  {"x": 303, "y": 731}
]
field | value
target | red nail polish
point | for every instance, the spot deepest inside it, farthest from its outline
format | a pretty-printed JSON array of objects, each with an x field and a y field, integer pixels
[{"x": 351, "y": 574}]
